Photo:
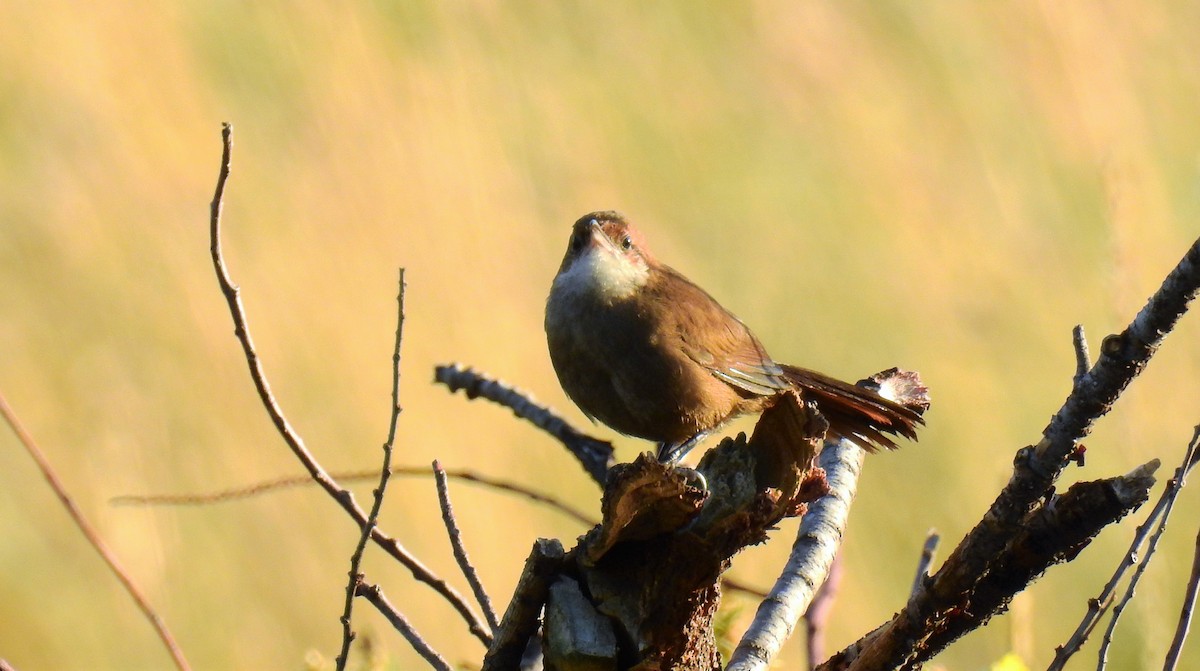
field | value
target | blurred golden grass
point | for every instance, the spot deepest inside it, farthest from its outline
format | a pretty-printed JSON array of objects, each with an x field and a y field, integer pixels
[{"x": 948, "y": 187}]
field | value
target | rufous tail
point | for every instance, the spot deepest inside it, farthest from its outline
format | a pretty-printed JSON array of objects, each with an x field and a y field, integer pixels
[{"x": 854, "y": 412}]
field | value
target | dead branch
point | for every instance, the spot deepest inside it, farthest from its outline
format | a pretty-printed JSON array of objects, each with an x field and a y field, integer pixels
[
  {"x": 342, "y": 496},
  {"x": 520, "y": 621},
  {"x": 385, "y": 472},
  {"x": 1053, "y": 534},
  {"x": 819, "y": 536},
  {"x": 1037, "y": 467},
  {"x": 596, "y": 456},
  {"x": 89, "y": 532}
]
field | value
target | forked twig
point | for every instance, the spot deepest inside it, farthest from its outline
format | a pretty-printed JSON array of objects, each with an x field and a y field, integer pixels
[
  {"x": 343, "y": 496},
  {"x": 384, "y": 472},
  {"x": 89, "y": 532},
  {"x": 1099, "y": 605},
  {"x": 460, "y": 551}
]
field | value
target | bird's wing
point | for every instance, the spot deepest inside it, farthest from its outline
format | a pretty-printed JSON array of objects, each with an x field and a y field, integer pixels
[{"x": 726, "y": 347}]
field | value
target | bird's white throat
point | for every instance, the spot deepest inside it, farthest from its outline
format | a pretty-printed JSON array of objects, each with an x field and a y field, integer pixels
[{"x": 602, "y": 273}]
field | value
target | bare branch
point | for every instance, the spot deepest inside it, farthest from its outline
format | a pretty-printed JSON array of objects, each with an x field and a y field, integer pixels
[
  {"x": 460, "y": 552},
  {"x": 596, "y": 456},
  {"x": 520, "y": 620},
  {"x": 1036, "y": 469},
  {"x": 343, "y": 496},
  {"x": 808, "y": 566},
  {"x": 1185, "y": 613},
  {"x": 384, "y": 472},
  {"x": 92, "y": 536},
  {"x": 375, "y": 595},
  {"x": 1100, "y": 604},
  {"x": 1054, "y": 533}
]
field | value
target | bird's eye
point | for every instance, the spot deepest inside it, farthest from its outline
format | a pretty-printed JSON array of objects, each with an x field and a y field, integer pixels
[
  {"x": 626, "y": 243},
  {"x": 576, "y": 243}
]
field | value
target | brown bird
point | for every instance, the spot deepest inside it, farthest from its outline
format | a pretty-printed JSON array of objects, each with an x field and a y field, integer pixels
[{"x": 639, "y": 347}]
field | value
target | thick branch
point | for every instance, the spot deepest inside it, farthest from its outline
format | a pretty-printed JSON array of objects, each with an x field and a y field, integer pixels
[
  {"x": 1051, "y": 534},
  {"x": 1122, "y": 358},
  {"x": 816, "y": 545},
  {"x": 520, "y": 621}
]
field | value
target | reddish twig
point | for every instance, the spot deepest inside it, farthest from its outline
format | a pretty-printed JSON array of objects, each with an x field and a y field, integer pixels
[
  {"x": 342, "y": 496},
  {"x": 816, "y": 618},
  {"x": 373, "y": 594},
  {"x": 460, "y": 551},
  {"x": 384, "y": 472},
  {"x": 89, "y": 532}
]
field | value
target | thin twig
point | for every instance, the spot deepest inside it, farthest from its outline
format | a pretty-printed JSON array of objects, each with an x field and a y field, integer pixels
[
  {"x": 384, "y": 472},
  {"x": 816, "y": 618},
  {"x": 343, "y": 497},
  {"x": 928, "y": 553},
  {"x": 1185, "y": 613},
  {"x": 596, "y": 456},
  {"x": 373, "y": 594},
  {"x": 92, "y": 536},
  {"x": 1173, "y": 487},
  {"x": 266, "y": 487},
  {"x": 735, "y": 585},
  {"x": 1099, "y": 605},
  {"x": 460, "y": 551},
  {"x": 1083, "y": 360}
]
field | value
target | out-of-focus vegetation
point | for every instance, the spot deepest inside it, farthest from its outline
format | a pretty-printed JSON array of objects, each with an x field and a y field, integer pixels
[{"x": 945, "y": 186}]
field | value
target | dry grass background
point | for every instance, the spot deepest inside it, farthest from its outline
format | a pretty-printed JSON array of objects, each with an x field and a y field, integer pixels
[{"x": 945, "y": 186}]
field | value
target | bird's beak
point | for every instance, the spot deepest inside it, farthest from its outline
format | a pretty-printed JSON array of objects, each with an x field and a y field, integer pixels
[{"x": 600, "y": 238}]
